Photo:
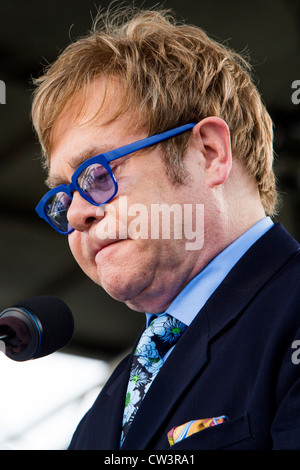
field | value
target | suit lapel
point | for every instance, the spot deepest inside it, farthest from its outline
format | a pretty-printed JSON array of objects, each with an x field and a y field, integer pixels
[
  {"x": 190, "y": 355},
  {"x": 261, "y": 262},
  {"x": 115, "y": 392}
]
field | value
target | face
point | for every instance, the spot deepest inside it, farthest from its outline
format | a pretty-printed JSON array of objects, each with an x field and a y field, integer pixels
[{"x": 107, "y": 242}]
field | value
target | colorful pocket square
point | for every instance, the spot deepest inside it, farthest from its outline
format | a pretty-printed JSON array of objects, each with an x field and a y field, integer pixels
[{"x": 185, "y": 430}]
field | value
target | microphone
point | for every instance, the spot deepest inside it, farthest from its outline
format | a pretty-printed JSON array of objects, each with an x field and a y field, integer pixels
[{"x": 35, "y": 327}]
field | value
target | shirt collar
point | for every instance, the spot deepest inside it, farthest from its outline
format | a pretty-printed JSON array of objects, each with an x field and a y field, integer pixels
[{"x": 196, "y": 293}]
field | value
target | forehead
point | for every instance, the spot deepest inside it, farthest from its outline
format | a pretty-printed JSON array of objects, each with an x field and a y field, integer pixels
[
  {"x": 87, "y": 126},
  {"x": 97, "y": 104}
]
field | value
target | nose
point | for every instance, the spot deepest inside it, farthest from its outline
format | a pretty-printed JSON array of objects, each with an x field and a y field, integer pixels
[{"x": 82, "y": 214}]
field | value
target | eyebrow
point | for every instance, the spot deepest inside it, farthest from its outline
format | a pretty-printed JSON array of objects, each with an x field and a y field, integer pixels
[
  {"x": 75, "y": 161},
  {"x": 87, "y": 153}
]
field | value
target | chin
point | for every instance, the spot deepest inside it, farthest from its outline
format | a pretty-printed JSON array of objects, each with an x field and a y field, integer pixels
[
  {"x": 138, "y": 296},
  {"x": 130, "y": 287},
  {"x": 119, "y": 283},
  {"x": 144, "y": 304},
  {"x": 122, "y": 270}
]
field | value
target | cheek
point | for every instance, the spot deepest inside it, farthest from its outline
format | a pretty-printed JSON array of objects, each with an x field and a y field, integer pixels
[{"x": 76, "y": 245}]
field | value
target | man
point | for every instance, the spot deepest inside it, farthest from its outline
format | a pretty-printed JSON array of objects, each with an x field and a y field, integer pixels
[{"x": 232, "y": 379}]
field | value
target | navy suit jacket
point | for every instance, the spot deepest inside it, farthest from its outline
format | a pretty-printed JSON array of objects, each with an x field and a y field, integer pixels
[{"x": 237, "y": 358}]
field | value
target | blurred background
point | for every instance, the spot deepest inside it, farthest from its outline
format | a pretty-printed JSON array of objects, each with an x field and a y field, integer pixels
[{"x": 53, "y": 393}]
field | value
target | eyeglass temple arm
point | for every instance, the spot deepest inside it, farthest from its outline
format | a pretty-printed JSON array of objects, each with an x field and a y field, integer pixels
[{"x": 147, "y": 142}]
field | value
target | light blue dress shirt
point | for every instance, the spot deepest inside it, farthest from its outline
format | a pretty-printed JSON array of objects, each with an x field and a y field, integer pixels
[{"x": 196, "y": 293}]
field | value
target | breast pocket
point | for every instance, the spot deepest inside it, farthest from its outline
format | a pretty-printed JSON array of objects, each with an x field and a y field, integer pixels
[{"x": 221, "y": 436}]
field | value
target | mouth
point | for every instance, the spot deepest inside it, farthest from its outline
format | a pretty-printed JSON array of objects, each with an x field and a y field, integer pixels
[{"x": 107, "y": 247}]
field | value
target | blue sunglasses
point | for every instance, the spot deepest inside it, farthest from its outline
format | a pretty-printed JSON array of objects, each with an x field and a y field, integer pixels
[{"x": 94, "y": 180}]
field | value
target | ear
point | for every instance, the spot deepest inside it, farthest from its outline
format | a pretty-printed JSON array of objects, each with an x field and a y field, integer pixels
[{"x": 212, "y": 138}]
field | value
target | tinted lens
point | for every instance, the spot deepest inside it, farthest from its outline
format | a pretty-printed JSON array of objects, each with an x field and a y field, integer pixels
[
  {"x": 56, "y": 210},
  {"x": 96, "y": 183}
]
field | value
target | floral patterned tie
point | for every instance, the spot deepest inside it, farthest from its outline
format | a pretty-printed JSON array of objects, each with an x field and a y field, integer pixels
[{"x": 157, "y": 339}]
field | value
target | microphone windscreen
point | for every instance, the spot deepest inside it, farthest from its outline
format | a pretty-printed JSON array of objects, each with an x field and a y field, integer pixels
[{"x": 55, "y": 320}]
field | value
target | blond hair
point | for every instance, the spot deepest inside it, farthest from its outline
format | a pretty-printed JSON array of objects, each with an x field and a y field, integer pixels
[{"x": 172, "y": 74}]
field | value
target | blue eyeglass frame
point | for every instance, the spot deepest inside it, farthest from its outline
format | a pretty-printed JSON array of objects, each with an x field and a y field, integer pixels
[{"x": 104, "y": 159}]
